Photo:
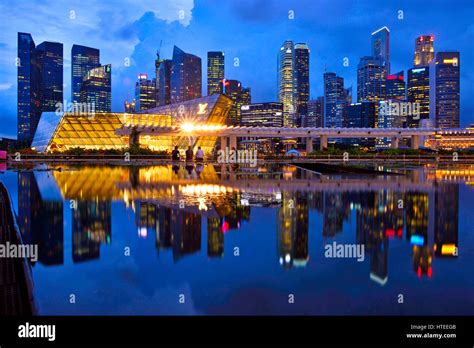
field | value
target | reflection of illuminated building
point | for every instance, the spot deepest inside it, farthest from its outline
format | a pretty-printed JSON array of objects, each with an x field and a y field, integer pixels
[
  {"x": 163, "y": 232},
  {"x": 186, "y": 233},
  {"x": 293, "y": 230},
  {"x": 91, "y": 226},
  {"x": 40, "y": 220},
  {"x": 446, "y": 220},
  {"x": 146, "y": 218},
  {"x": 417, "y": 210},
  {"x": 336, "y": 211},
  {"x": 215, "y": 237},
  {"x": 422, "y": 260}
]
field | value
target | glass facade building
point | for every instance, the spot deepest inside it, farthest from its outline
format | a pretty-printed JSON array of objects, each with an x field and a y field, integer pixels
[
  {"x": 335, "y": 101},
  {"x": 96, "y": 88},
  {"x": 371, "y": 77},
  {"x": 315, "y": 114},
  {"x": 186, "y": 78},
  {"x": 40, "y": 83},
  {"x": 145, "y": 93},
  {"x": 381, "y": 46},
  {"x": 262, "y": 115},
  {"x": 215, "y": 72},
  {"x": 445, "y": 90},
  {"x": 424, "y": 50},
  {"x": 240, "y": 96},
  {"x": 286, "y": 83},
  {"x": 418, "y": 91},
  {"x": 395, "y": 86},
  {"x": 164, "y": 74},
  {"x": 83, "y": 59},
  {"x": 301, "y": 82}
]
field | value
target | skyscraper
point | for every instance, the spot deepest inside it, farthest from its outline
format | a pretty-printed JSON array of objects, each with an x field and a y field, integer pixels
[
  {"x": 381, "y": 46},
  {"x": 145, "y": 92},
  {"x": 424, "y": 50},
  {"x": 50, "y": 59},
  {"x": 29, "y": 102},
  {"x": 185, "y": 79},
  {"x": 164, "y": 96},
  {"x": 418, "y": 91},
  {"x": 444, "y": 89},
  {"x": 335, "y": 101},
  {"x": 96, "y": 88},
  {"x": 395, "y": 86},
  {"x": 286, "y": 83},
  {"x": 215, "y": 72},
  {"x": 83, "y": 59},
  {"x": 240, "y": 96},
  {"x": 40, "y": 83},
  {"x": 371, "y": 73},
  {"x": 301, "y": 70},
  {"x": 262, "y": 115},
  {"x": 315, "y": 115}
]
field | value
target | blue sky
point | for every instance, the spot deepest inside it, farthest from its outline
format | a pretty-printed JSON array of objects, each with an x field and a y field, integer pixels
[{"x": 250, "y": 30}]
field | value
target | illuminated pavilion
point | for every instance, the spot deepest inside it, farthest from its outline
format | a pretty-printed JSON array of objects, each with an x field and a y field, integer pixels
[{"x": 58, "y": 132}]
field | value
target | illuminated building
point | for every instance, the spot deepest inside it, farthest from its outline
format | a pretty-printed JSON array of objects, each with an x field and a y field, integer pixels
[
  {"x": 395, "y": 87},
  {"x": 186, "y": 233},
  {"x": 262, "y": 114},
  {"x": 315, "y": 115},
  {"x": 371, "y": 78},
  {"x": 286, "y": 83},
  {"x": 335, "y": 101},
  {"x": 418, "y": 91},
  {"x": 96, "y": 88},
  {"x": 40, "y": 83},
  {"x": 112, "y": 130},
  {"x": 240, "y": 96},
  {"x": 215, "y": 237},
  {"x": 145, "y": 93},
  {"x": 445, "y": 89},
  {"x": 452, "y": 139},
  {"x": 446, "y": 221},
  {"x": 286, "y": 226},
  {"x": 83, "y": 59},
  {"x": 163, "y": 232},
  {"x": 381, "y": 46},
  {"x": 335, "y": 211},
  {"x": 301, "y": 70},
  {"x": 215, "y": 72},
  {"x": 185, "y": 78},
  {"x": 146, "y": 218},
  {"x": 424, "y": 50},
  {"x": 164, "y": 96},
  {"x": 362, "y": 115},
  {"x": 129, "y": 106}
]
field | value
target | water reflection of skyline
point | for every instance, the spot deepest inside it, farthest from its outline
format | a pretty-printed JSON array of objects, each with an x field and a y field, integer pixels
[{"x": 427, "y": 218}]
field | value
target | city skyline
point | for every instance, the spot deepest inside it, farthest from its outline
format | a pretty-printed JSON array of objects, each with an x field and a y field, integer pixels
[{"x": 144, "y": 52}]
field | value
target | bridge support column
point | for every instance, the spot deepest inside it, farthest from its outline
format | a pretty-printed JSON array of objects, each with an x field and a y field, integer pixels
[
  {"x": 309, "y": 145},
  {"x": 395, "y": 142},
  {"x": 323, "y": 142},
  {"x": 223, "y": 143},
  {"x": 415, "y": 142},
  {"x": 233, "y": 142}
]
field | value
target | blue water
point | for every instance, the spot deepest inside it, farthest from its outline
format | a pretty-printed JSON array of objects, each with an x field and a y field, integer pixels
[{"x": 85, "y": 222}]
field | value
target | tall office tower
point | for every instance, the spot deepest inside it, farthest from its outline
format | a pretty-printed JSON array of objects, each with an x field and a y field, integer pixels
[
  {"x": 418, "y": 91},
  {"x": 286, "y": 83},
  {"x": 215, "y": 72},
  {"x": 29, "y": 102},
  {"x": 96, "y": 88},
  {"x": 424, "y": 50},
  {"x": 335, "y": 101},
  {"x": 40, "y": 83},
  {"x": 371, "y": 73},
  {"x": 301, "y": 82},
  {"x": 164, "y": 96},
  {"x": 381, "y": 46},
  {"x": 445, "y": 90},
  {"x": 239, "y": 96},
  {"x": 315, "y": 114},
  {"x": 185, "y": 79},
  {"x": 158, "y": 63},
  {"x": 262, "y": 115},
  {"x": 362, "y": 115},
  {"x": 50, "y": 58},
  {"x": 129, "y": 106},
  {"x": 395, "y": 86},
  {"x": 145, "y": 92},
  {"x": 83, "y": 59}
]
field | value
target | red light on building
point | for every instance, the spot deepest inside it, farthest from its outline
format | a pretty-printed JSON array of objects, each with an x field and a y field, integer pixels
[
  {"x": 390, "y": 232},
  {"x": 419, "y": 272},
  {"x": 432, "y": 38},
  {"x": 225, "y": 227},
  {"x": 391, "y": 77},
  {"x": 430, "y": 272},
  {"x": 400, "y": 233},
  {"x": 400, "y": 77}
]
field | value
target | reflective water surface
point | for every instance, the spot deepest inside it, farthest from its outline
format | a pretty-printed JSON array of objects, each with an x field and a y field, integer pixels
[{"x": 225, "y": 240}]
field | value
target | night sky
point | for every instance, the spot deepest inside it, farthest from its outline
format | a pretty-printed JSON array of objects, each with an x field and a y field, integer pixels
[{"x": 251, "y": 31}]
